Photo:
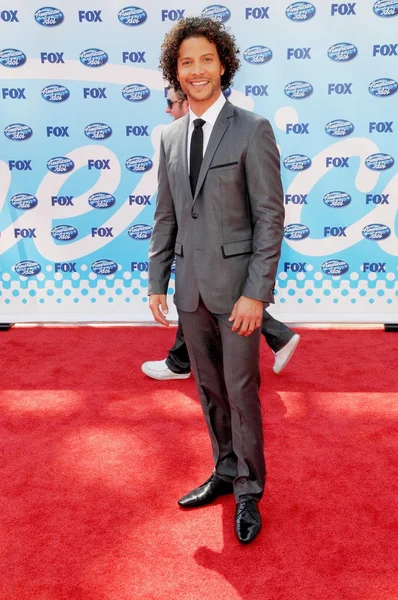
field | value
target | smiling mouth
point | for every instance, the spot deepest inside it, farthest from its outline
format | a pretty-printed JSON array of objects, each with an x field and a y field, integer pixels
[{"x": 198, "y": 84}]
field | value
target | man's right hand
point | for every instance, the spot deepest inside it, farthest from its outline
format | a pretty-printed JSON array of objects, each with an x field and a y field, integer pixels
[{"x": 159, "y": 308}]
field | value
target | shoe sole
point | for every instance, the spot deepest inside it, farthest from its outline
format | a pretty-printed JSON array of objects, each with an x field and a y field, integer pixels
[
  {"x": 289, "y": 356},
  {"x": 154, "y": 375}
]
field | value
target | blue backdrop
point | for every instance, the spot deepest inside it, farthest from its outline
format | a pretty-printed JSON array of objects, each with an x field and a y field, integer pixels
[{"x": 81, "y": 111}]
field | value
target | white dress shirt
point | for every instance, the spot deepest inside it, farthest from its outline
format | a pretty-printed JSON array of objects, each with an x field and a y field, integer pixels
[{"x": 210, "y": 116}]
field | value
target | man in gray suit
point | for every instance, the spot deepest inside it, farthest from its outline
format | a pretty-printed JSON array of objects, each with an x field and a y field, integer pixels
[
  {"x": 279, "y": 337},
  {"x": 220, "y": 211}
]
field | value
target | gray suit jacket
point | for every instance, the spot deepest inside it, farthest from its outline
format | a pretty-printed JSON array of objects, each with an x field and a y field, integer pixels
[{"x": 227, "y": 238}]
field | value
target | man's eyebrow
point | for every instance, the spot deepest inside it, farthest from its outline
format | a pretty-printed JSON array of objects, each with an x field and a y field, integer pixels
[{"x": 201, "y": 56}]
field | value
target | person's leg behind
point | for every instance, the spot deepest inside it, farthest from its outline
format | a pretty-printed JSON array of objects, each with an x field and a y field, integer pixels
[{"x": 178, "y": 358}]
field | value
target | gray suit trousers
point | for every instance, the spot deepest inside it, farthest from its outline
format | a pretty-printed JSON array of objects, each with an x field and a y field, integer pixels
[{"x": 226, "y": 370}]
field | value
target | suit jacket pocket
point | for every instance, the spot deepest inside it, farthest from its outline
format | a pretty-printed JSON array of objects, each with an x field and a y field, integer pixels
[
  {"x": 178, "y": 249},
  {"x": 236, "y": 248},
  {"x": 224, "y": 166}
]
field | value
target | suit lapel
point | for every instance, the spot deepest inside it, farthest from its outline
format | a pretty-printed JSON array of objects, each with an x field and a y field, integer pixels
[
  {"x": 219, "y": 129},
  {"x": 182, "y": 153}
]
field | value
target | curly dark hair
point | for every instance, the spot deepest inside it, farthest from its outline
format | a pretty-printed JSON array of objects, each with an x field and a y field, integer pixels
[{"x": 214, "y": 32}]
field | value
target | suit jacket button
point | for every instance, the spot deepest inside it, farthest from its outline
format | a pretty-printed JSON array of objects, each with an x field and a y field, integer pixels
[{"x": 194, "y": 215}]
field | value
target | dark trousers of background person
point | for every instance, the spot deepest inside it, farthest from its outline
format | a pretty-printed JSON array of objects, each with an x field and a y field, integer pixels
[{"x": 276, "y": 335}]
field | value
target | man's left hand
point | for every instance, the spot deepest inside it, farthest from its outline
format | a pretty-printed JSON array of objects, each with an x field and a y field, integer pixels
[{"x": 247, "y": 315}]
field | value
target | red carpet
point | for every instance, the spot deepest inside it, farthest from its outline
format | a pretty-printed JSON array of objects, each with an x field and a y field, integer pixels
[{"x": 94, "y": 456}]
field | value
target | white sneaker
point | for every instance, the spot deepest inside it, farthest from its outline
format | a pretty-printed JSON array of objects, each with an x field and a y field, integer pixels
[
  {"x": 283, "y": 356},
  {"x": 157, "y": 369}
]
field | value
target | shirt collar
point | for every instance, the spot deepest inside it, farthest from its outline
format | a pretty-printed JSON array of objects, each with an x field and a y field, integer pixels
[{"x": 211, "y": 114}]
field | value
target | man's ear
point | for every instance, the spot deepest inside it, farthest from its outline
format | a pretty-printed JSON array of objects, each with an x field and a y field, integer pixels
[{"x": 222, "y": 69}]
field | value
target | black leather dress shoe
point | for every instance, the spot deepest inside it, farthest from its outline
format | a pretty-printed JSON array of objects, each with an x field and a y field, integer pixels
[
  {"x": 247, "y": 521},
  {"x": 207, "y": 492}
]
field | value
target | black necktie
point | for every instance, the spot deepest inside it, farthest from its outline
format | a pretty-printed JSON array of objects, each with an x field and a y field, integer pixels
[{"x": 196, "y": 153}]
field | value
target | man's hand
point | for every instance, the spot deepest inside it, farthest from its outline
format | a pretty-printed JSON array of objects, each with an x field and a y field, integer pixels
[
  {"x": 159, "y": 308},
  {"x": 247, "y": 315}
]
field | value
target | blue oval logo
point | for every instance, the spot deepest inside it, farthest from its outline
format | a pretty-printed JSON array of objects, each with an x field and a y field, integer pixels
[
  {"x": 140, "y": 232},
  {"x": 60, "y": 165},
  {"x": 12, "y": 58},
  {"x": 382, "y": 88},
  {"x": 386, "y": 8},
  {"x": 342, "y": 52},
  {"x": 55, "y": 93},
  {"x": 18, "y": 132},
  {"x": 64, "y": 233},
  {"x": 135, "y": 92},
  {"x": 335, "y": 267},
  {"x": 98, "y": 131},
  {"x": 104, "y": 266},
  {"x": 257, "y": 55},
  {"x": 297, "y": 162},
  {"x": 337, "y": 199},
  {"x": 101, "y": 200},
  {"x": 217, "y": 12},
  {"x": 132, "y": 16},
  {"x": 300, "y": 11},
  {"x": 23, "y": 201},
  {"x": 139, "y": 164},
  {"x": 27, "y": 268},
  {"x": 296, "y": 231},
  {"x": 339, "y": 128},
  {"x": 376, "y": 231},
  {"x": 379, "y": 161},
  {"x": 227, "y": 92},
  {"x": 298, "y": 90},
  {"x": 48, "y": 16},
  {"x": 93, "y": 57}
]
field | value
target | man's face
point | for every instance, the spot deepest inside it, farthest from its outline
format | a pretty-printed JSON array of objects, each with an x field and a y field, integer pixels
[
  {"x": 199, "y": 72},
  {"x": 177, "y": 108}
]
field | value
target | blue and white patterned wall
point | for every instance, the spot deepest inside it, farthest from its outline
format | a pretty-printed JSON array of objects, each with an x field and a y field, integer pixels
[{"x": 81, "y": 111}]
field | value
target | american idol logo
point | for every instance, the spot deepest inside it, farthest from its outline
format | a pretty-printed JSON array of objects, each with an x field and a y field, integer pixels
[
  {"x": 55, "y": 93},
  {"x": 64, "y": 233},
  {"x": 93, "y": 57},
  {"x": 379, "y": 161},
  {"x": 217, "y": 13},
  {"x": 298, "y": 90},
  {"x": 60, "y": 165},
  {"x": 132, "y": 16},
  {"x": 138, "y": 164},
  {"x": 339, "y": 128},
  {"x": 376, "y": 231},
  {"x": 335, "y": 267},
  {"x": 337, "y": 199},
  {"x": 98, "y": 131},
  {"x": 300, "y": 11},
  {"x": 104, "y": 266},
  {"x": 48, "y": 16},
  {"x": 27, "y": 268},
  {"x": 101, "y": 200},
  {"x": 257, "y": 55},
  {"x": 140, "y": 232},
  {"x": 23, "y": 201},
  {"x": 135, "y": 92},
  {"x": 297, "y": 162},
  {"x": 17, "y": 132},
  {"x": 385, "y": 8},
  {"x": 296, "y": 231},
  {"x": 381, "y": 88},
  {"x": 342, "y": 52},
  {"x": 12, "y": 58}
]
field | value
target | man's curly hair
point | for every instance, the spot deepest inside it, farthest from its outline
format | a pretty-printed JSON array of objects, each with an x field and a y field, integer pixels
[{"x": 214, "y": 32}]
